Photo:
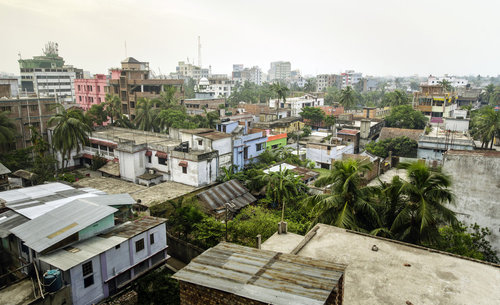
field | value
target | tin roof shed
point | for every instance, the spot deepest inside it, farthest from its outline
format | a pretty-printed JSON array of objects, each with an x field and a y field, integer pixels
[
  {"x": 230, "y": 192},
  {"x": 266, "y": 276}
]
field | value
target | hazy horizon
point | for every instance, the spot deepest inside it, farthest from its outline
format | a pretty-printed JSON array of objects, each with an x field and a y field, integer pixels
[{"x": 378, "y": 38}]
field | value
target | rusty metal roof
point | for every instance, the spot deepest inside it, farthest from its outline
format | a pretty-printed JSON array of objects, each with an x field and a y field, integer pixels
[
  {"x": 133, "y": 228},
  {"x": 231, "y": 192},
  {"x": 266, "y": 276}
]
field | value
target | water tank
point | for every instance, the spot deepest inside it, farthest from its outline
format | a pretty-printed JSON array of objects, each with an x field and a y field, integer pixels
[{"x": 52, "y": 280}]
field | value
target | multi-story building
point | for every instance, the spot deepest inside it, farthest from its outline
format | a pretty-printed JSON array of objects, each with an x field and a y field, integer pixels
[
  {"x": 83, "y": 244},
  {"x": 217, "y": 87},
  {"x": 90, "y": 91},
  {"x": 242, "y": 75},
  {"x": 189, "y": 156},
  {"x": 47, "y": 75},
  {"x": 433, "y": 145},
  {"x": 248, "y": 143},
  {"x": 25, "y": 112},
  {"x": 323, "y": 81},
  {"x": 9, "y": 87},
  {"x": 295, "y": 104},
  {"x": 132, "y": 82},
  {"x": 324, "y": 154},
  {"x": 200, "y": 104},
  {"x": 280, "y": 70},
  {"x": 435, "y": 102},
  {"x": 454, "y": 81},
  {"x": 350, "y": 78},
  {"x": 185, "y": 70}
]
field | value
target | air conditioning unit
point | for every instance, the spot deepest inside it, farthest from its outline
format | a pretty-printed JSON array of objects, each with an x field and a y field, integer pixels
[{"x": 152, "y": 171}]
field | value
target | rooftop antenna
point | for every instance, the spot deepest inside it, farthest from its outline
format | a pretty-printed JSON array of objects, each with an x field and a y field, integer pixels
[
  {"x": 199, "y": 52},
  {"x": 126, "y": 49},
  {"x": 19, "y": 54}
]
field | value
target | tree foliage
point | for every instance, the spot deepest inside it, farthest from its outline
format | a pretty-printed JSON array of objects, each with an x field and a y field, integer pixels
[
  {"x": 7, "y": 129},
  {"x": 405, "y": 116},
  {"x": 401, "y": 146},
  {"x": 314, "y": 115},
  {"x": 347, "y": 97}
]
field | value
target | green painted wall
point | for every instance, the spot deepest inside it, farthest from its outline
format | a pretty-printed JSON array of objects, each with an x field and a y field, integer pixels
[
  {"x": 94, "y": 229},
  {"x": 279, "y": 142}
]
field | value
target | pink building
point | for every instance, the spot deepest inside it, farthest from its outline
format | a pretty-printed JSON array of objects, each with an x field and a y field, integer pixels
[{"x": 90, "y": 91}]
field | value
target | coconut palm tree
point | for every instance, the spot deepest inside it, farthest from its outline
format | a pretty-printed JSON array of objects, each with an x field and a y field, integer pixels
[
  {"x": 423, "y": 209},
  {"x": 280, "y": 90},
  {"x": 70, "y": 132},
  {"x": 281, "y": 186},
  {"x": 488, "y": 124},
  {"x": 7, "y": 129},
  {"x": 167, "y": 97},
  {"x": 488, "y": 92},
  {"x": 348, "y": 205},
  {"x": 446, "y": 84},
  {"x": 330, "y": 122},
  {"x": 113, "y": 107},
  {"x": 124, "y": 122},
  {"x": 146, "y": 114},
  {"x": 347, "y": 97}
]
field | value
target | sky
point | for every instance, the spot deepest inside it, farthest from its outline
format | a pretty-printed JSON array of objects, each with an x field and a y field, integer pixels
[{"x": 382, "y": 37}]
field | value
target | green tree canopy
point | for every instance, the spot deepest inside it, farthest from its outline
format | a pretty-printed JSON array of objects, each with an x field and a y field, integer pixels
[
  {"x": 113, "y": 107},
  {"x": 395, "y": 98},
  {"x": 7, "y": 129},
  {"x": 347, "y": 97},
  {"x": 405, "y": 116},
  {"x": 401, "y": 147},
  {"x": 313, "y": 114},
  {"x": 96, "y": 115}
]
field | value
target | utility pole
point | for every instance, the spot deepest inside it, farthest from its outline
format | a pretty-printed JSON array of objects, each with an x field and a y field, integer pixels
[{"x": 226, "y": 204}]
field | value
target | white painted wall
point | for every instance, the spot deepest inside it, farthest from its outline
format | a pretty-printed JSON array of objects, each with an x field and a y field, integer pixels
[
  {"x": 91, "y": 294},
  {"x": 117, "y": 260},
  {"x": 190, "y": 178},
  {"x": 476, "y": 184},
  {"x": 326, "y": 156},
  {"x": 132, "y": 164}
]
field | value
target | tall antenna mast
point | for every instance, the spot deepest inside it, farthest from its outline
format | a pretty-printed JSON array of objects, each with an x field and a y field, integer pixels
[
  {"x": 199, "y": 52},
  {"x": 126, "y": 49}
]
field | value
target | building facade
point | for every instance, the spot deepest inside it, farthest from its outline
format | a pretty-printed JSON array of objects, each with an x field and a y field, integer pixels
[
  {"x": 188, "y": 70},
  {"x": 28, "y": 111},
  {"x": 350, "y": 78},
  {"x": 432, "y": 146},
  {"x": 90, "y": 91},
  {"x": 132, "y": 83},
  {"x": 47, "y": 75},
  {"x": 324, "y": 154},
  {"x": 296, "y": 104},
  {"x": 9, "y": 87},
  {"x": 280, "y": 71}
]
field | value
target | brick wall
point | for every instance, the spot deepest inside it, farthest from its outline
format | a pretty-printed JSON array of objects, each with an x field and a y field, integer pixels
[
  {"x": 195, "y": 294},
  {"x": 191, "y": 294}
]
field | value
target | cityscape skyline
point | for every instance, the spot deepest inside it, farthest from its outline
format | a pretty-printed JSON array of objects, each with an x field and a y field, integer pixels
[{"x": 373, "y": 38}]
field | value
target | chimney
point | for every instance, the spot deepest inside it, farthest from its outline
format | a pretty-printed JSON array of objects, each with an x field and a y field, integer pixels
[{"x": 365, "y": 129}]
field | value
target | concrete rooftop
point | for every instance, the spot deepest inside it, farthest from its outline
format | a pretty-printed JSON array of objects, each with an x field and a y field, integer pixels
[
  {"x": 282, "y": 242},
  {"x": 118, "y": 135},
  {"x": 19, "y": 293},
  {"x": 398, "y": 273},
  {"x": 147, "y": 195}
]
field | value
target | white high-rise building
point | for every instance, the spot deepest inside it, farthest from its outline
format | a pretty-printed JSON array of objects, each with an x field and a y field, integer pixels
[
  {"x": 454, "y": 81},
  {"x": 280, "y": 70}
]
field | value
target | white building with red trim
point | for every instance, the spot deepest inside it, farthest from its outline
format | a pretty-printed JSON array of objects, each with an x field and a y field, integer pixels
[{"x": 189, "y": 156}]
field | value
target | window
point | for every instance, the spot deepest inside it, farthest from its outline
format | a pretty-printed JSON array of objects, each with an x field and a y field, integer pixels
[
  {"x": 259, "y": 146},
  {"x": 200, "y": 142},
  {"x": 139, "y": 245},
  {"x": 132, "y": 104},
  {"x": 87, "y": 268},
  {"x": 161, "y": 161},
  {"x": 152, "y": 238},
  {"x": 88, "y": 281},
  {"x": 245, "y": 153},
  {"x": 149, "y": 159},
  {"x": 80, "y": 98},
  {"x": 184, "y": 170},
  {"x": 117, "y": 247}
]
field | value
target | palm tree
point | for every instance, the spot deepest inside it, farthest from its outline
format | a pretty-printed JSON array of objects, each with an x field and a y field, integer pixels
[
  {"x": 280, "y": 90},
  {"x": 70, "y": 132},
  {"x": 399, "y": 98},
  {"x": 488, "y": 124},
  {"x": 423, "y": 209},
  {"x": 330, "y": 122},
  {"x": 282, "y": 186},
  {"x": 488, "y": 92},
  {"x": 146, "y": 114},
  {"x": 124, "y": 122},
  {"x": 446, "y": 84},
  {"x": 113, "y": 106},
  {"x": 347, "y": 97},
  {"x": 167, "y": 97},
  {"x": 7, "y": 129},
  {"x": 348, "y": 205}
]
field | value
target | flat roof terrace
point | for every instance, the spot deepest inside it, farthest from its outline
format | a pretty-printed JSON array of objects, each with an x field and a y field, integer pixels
[{"x": 119, "y": 135}]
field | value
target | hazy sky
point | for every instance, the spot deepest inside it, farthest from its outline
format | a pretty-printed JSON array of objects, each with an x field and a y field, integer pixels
[{"x": 376, "y": 37}]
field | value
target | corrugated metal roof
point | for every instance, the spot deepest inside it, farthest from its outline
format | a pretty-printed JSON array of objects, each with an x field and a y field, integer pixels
[
  {"x": 9, "y": 220},
  {"x": 265, "y": 276},
  {"x": 45, "y": 231},
  {"x": 231, "y": 192},
  {"x": 69, "y": 257},
  {"x": 35, "y": 201},
  {"x": 4, "y": 170},
  {"x": 111, "y": 200}
]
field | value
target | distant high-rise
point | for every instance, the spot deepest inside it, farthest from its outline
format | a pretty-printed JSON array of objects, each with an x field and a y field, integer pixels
[
  {"x": 242, "y": 75},
  {"x": 47, "y": 75},
  {"x": 280, "y": 70}
]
